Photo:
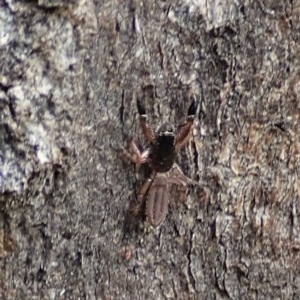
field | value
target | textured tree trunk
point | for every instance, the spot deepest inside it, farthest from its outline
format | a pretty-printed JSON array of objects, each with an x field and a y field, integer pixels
[{"x": 69, "y": 72}]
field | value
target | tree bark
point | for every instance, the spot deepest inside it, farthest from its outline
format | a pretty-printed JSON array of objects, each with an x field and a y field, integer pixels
[{"x": 70, "y": 72}]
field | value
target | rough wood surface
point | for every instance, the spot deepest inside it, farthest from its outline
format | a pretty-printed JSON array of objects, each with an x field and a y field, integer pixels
[{"x": 68, "y": 74}]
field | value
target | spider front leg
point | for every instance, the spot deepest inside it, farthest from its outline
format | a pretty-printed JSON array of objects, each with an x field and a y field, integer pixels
[
  {"x": 185, "y": 130},
  {"x": 147, "y": 131}
]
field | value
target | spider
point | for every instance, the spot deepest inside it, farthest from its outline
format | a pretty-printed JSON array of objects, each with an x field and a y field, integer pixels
[{"x": 160, "y": 155}]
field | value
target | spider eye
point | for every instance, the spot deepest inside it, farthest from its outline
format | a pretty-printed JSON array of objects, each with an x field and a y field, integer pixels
[
  {"x": 166, "y": 129},
  {"x": 166, "y": 133}
]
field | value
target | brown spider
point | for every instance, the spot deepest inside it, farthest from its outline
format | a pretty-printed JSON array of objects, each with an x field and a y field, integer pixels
[{"x": 164, "y": 146}]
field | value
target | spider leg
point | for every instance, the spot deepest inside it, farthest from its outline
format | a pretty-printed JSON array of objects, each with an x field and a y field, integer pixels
[
  {"x": 142, "y": 192},
  {"x": 145, "y": 187},
  {"x": 177, "y": 177},
  {"x": 185, "y": 130},
  {"x": 137, "y": 157},
  {"x": 147, "y": 130}
]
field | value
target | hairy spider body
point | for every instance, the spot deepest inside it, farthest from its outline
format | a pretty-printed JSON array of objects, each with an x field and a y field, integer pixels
[
  {"x": 164, "y": 146},
  {"x": 162, "y": 152}
]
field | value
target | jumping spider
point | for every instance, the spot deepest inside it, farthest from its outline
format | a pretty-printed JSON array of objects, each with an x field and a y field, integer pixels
[{"x": 164, "y": 146}]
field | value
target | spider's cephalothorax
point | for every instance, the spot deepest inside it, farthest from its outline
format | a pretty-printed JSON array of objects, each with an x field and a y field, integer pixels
[
  {"x": 164, "y": 146},
  {"x": 162, "y": 150}
]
